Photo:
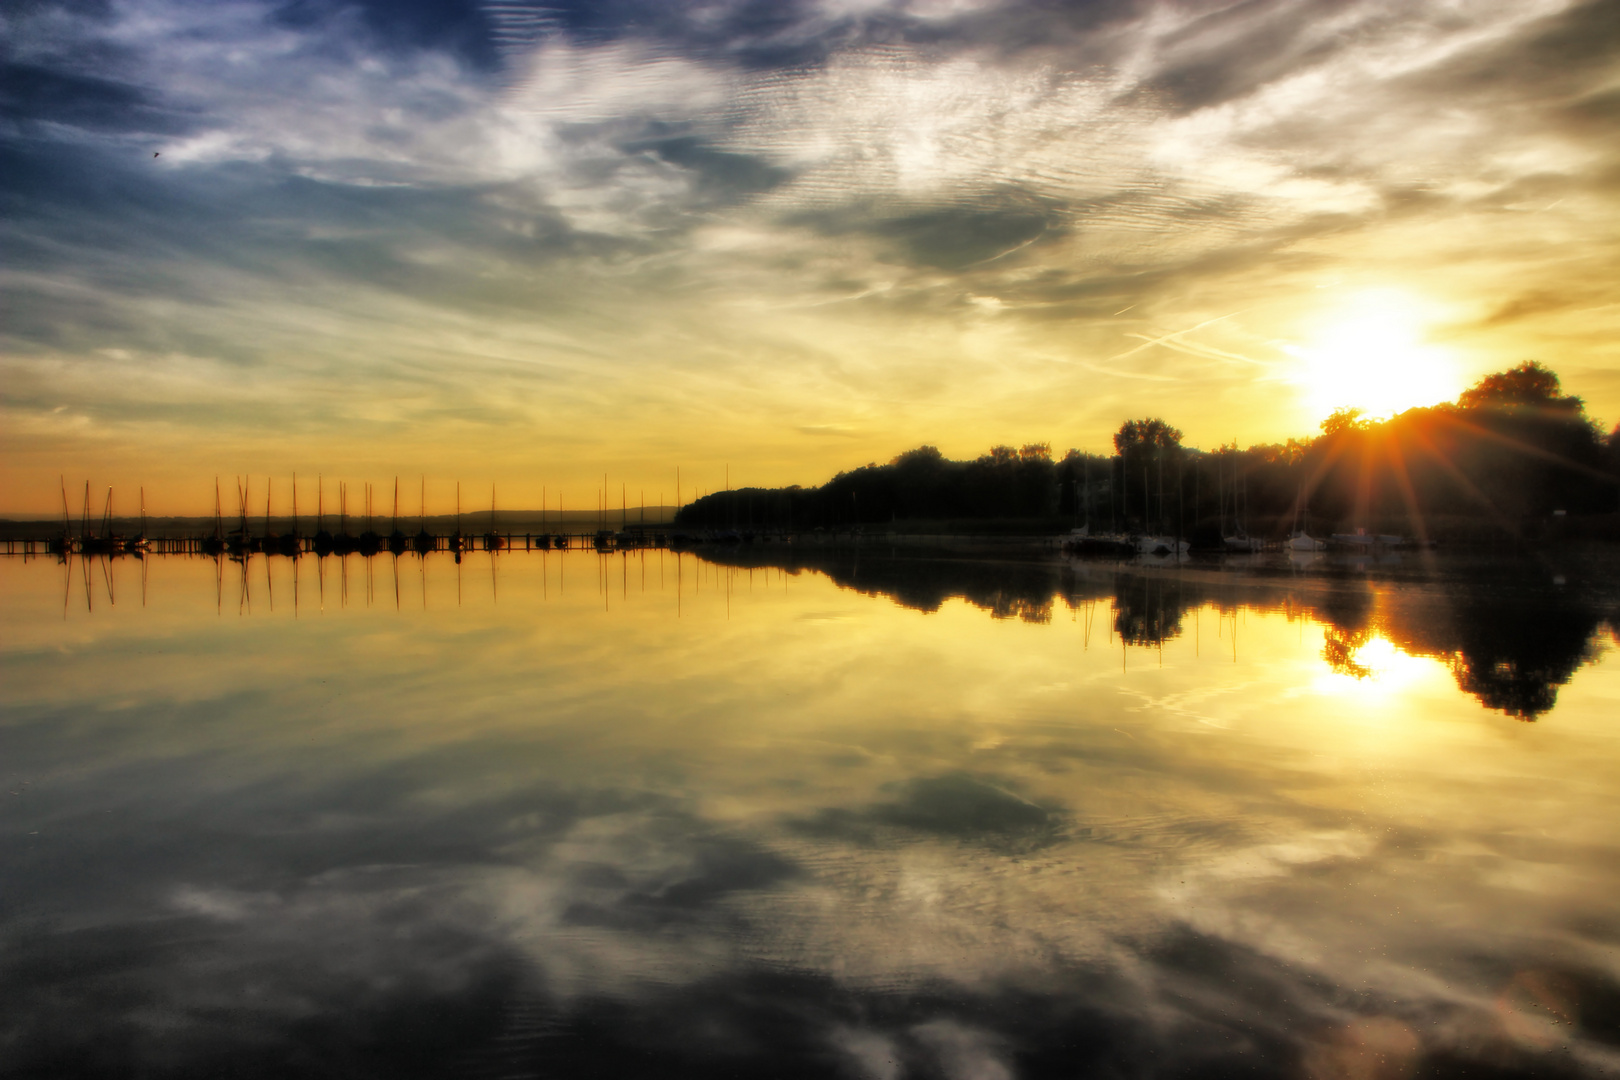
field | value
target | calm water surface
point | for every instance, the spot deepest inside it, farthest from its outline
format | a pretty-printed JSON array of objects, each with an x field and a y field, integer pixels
[{"x": 806, "y": 815}]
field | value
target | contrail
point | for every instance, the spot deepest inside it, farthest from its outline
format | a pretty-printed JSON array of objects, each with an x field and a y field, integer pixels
[{"x": 1171, "y": 337}]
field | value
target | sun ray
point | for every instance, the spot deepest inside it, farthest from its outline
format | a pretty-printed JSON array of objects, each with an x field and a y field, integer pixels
[
  {"x": 1414, "y": 510},
  {"x": 1303, "y": 497},
  {"x": 1527, "y": 448},
  {"x": 1468, "y": 486}
]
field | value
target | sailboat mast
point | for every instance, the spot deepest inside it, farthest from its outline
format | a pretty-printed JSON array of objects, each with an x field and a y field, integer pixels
[
  {"x": 1087, "y": 495},
  {"x": 1244, "y": 496},
  {"x": 1198, "y": 491},
  {"x": 1161, "y": 489},
  {"x": 1125, "y": 491}
]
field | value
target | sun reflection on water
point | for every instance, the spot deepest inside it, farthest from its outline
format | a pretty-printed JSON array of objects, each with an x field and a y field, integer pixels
[
  {"x": 1379, "y": 671},
  {"x": 739, "y": 796}
]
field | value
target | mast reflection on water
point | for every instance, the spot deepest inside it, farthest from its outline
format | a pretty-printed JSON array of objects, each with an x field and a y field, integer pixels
[{"x": 822, "y": 812}]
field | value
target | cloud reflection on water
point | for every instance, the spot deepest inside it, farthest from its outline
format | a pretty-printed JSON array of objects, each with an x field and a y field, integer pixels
[{"x": 774, "y": 827}]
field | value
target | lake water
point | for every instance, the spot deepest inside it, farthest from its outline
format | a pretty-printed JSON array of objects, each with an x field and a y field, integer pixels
[{"x": 807, "y": 813}]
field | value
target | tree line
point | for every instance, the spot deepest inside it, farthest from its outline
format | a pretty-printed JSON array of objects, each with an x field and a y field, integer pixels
[{"x": 1511, "y": 451}]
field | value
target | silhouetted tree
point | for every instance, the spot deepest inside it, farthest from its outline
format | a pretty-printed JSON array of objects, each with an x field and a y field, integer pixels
[
  {"x": 1530, "y": 384},
  {"x": 1512, "y": 449},
  {"x": 1346, "y": 420},
  {"x": 1040, "y": 452},
  {"x": 1149, "y": 434}
]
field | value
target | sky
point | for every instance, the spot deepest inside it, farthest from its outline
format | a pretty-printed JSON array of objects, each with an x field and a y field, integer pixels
[{"x": 526, "y": 246}]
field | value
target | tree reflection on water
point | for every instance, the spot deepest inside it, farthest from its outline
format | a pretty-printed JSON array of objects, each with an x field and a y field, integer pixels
[
  {"x": 1509, "y": 634},
  {"x": 708, "y": 821}
]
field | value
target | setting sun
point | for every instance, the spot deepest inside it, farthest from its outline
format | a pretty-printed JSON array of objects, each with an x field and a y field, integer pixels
[{"x": 1372, "y": 354}]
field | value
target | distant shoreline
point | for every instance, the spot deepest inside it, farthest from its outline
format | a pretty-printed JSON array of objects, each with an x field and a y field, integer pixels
[
  {"x": 1461, "y": 532},
  {"x": 517, "y": 521}
]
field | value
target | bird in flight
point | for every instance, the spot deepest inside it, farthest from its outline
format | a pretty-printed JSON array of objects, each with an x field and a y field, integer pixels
[{"x": 155, "y": 155}]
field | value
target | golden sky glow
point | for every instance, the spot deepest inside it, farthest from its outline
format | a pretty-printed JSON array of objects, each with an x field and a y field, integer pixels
[{"x": 532, "y": 247}]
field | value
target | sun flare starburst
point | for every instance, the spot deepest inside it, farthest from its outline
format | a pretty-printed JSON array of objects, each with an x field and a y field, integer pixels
[{"x": 1373, "y": 354}]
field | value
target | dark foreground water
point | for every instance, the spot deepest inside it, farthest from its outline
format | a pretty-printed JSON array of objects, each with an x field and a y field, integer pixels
[{"x": 844, "y": 815}]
